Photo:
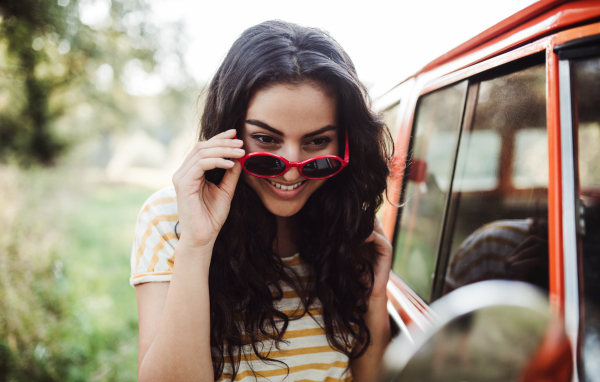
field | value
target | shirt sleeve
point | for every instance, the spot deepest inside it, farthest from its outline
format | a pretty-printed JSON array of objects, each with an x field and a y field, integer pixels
[{"x": 155, "y": 238}]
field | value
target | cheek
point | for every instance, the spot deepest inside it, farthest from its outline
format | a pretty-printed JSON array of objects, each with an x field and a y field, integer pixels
[
  {"x": 251, "y": 181},
  {"x": 315, "y": 185}
]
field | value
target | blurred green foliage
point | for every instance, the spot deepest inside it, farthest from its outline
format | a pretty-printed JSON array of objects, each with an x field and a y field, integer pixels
[
  {"x": 68, "y": 72},
  {"x": 67, "y": 312},
  {"x": 65, "y": 67}
]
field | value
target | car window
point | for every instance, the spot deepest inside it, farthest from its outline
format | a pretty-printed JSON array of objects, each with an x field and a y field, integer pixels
[
  {"x": 586, "y": 78},
  {"x": 480, "y": 175},
  {"x": 391, "y": 117},
  {"x": 436, "y": 130},
  {"x": 497, "y": 219},
  {"x": 531, "y": 156}
]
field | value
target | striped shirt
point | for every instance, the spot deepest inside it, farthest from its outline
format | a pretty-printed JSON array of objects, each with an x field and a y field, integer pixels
[{"x": 305, "y": 349}]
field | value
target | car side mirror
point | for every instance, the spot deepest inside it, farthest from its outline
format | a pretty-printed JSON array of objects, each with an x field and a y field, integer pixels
[{"x": 488, "y": 331}]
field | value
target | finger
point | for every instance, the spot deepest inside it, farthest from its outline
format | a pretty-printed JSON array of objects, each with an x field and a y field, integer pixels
[
  {"x": 225, "y": 134},
  {"x": 222, "y": 137},
  {"x": 379, "y": 240},
  {"x": 534, "y": 241},
  {"x": 213, "y": 142},
  {"x": 221, "y": 152},
  {"x": 522, "y": 267},
  {"x": 528, "y": 263},
  {"x": 536, "y": 250},
  {"x": 371, "y": 237},
  {"x": 529, "y": 242},
  {"x": 215, "y": 152},
  {"x": 200, "y": 167},
  {"x": 230, "y": 179}
]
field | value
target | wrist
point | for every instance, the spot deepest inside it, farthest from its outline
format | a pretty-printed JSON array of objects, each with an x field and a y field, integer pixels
[
  {"x": 377, "y": 315},
  {"x": 192, "y": 254},
  {"x": 378, "y": 303},
  {"x": 196, "y": 247}
]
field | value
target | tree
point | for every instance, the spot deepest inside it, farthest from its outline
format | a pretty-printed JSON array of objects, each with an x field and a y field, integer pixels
[{"x": 57, "y": 55}]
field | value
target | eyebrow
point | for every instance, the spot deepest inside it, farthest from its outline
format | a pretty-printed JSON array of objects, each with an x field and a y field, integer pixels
[{"x": 275, "y": 131}]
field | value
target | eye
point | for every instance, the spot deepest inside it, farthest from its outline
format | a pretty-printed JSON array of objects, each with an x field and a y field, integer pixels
[
  {"x": 318, "y": 143},
  {"x": 264, "y": 139}
]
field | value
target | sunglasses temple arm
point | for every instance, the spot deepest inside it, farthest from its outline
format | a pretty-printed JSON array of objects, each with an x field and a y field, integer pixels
[{"x": 346, "y": 150}]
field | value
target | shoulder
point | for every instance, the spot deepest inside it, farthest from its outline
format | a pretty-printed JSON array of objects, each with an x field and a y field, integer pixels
[
  {"x": 163, "y": 201},
  {"x": 155, "y": 238}
]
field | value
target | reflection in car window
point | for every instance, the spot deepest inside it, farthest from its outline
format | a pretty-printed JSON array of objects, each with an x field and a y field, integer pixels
[
  {"x": 480, "y": 175},
  {"x": 435, "y": 137},
  {"x": 587, "y": 123},
  {"x": 497, "y": 223},
  {"x": 531, "y": 155}
]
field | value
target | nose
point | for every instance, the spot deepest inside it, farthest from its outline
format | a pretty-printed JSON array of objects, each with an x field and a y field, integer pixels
[
  {"x": 291, "y": 175},
  {"x": 292, "y": 153}
]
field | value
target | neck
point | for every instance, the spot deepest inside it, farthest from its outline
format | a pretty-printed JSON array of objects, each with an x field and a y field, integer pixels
[{"x": 285, "y": 245}]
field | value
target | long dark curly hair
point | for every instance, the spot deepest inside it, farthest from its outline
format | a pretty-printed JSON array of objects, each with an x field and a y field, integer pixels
[{"x": 334, "y": 222}]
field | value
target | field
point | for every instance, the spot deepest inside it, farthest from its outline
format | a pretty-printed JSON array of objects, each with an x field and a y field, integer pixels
[{"x": 67, "y": 311}]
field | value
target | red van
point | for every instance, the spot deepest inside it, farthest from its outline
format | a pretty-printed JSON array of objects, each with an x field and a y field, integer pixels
[{"x": 497, "y": 171}]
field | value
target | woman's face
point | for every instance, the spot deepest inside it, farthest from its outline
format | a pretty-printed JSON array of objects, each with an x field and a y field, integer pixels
[{"x": 297, "y": 122}]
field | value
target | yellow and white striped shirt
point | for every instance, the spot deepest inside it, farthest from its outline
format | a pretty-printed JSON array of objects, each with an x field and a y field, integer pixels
[{"x": 305, "y": 351}]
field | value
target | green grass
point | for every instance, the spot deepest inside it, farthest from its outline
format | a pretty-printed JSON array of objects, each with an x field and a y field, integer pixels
[
  {"x": 67, "y": 311},
  {"x": 97, "y": 254}
]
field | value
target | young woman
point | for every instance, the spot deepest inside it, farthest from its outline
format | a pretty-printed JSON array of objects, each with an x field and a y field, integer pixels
[{"x": 275, "y": 262}]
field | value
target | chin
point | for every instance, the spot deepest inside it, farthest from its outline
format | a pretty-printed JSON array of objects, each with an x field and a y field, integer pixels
[
  {"x": 283, "y": 209},
  {"x": 277, "y": 206}
]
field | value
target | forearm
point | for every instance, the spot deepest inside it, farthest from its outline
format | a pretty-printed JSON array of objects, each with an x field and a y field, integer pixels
[
  {"x": 366, "y": 368},
  {"x": 181, "y": 348}
]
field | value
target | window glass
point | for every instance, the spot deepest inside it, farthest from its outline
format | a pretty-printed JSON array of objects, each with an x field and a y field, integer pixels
[
  {"x": 436, "y": 132},
  {"x": 587, "y": 123},
  {"x": 391, "y": 117},
  {"x": 480, "y": 175},
  {"x": 531, "y": 156},
  {"x": 497, "y": 222}
]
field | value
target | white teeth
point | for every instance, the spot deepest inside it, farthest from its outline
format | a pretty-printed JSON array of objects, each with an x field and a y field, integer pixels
[{"x": 286, "y": 188}]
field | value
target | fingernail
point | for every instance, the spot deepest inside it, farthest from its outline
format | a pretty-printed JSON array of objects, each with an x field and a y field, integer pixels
[
  {"x": 237, "y": 141},
  {"x": 240, "y": 151}
]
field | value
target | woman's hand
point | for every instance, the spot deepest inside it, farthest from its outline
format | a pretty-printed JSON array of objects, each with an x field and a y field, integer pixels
[
  {"x": 383, "y": 263},
  {"x": 204, "y": 206},
  {"x": 366, "y": 368}
]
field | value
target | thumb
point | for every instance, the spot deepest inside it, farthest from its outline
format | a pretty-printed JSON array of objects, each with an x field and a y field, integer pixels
[{"x": 230, "y": 179}]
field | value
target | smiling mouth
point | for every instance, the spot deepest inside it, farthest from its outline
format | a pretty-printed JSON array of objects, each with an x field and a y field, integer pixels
[{"x": 287, "y": 188}]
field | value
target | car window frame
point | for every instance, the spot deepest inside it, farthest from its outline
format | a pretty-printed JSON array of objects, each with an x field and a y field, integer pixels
[
  {"x": 574, "y": 294},
  {"x": 532, "y": 54}
]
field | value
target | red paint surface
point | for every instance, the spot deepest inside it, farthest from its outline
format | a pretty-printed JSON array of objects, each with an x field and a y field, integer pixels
[{"x": 555, "y": 239}]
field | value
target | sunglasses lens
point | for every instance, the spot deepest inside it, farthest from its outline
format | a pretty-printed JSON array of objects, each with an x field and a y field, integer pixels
[
  {"x": 321, "y": 168},
  {"x": 264, "y": 165}
]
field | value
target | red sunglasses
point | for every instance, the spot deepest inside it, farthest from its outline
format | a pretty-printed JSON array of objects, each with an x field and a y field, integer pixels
[{"x": 269, "y": 165}]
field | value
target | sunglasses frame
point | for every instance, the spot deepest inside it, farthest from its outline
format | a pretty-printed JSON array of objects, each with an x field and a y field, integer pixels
[{"x": 298, "y": 165}]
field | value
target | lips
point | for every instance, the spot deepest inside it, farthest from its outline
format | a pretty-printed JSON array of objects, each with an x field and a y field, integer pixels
[
  {"x": 285, "y": 193},
  {"x": 284, "y": 187}
]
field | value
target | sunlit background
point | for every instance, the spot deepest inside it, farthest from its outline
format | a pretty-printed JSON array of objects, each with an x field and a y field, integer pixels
[{"x": 99, "y": 103}]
